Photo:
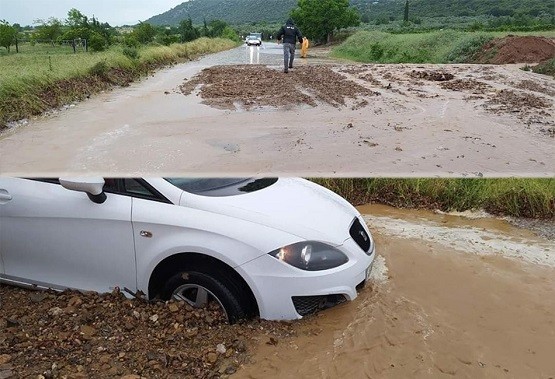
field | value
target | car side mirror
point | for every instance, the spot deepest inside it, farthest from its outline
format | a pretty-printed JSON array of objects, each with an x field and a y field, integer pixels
[{"x": 93, "y": 187}]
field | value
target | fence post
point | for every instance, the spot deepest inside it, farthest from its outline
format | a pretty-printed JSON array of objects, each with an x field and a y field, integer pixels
[
  {"x": 73, "y": 45},
  {"x": 16, "y": 46},
  {"x": 86, "y": 46}
]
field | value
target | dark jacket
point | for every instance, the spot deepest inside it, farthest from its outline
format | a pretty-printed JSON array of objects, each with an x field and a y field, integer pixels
[{"x": 290, "y": 33}]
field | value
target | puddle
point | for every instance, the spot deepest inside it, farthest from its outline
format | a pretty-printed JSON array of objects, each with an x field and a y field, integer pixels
[{"x": 434, "y": 306}]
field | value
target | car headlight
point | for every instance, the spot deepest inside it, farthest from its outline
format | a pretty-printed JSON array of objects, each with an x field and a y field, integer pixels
[{"x": 310, "y": 256}]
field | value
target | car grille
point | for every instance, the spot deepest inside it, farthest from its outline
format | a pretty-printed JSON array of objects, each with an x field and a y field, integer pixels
[
  {"x": 360, "y": 236},
  {"x": 305, "y": 305}
]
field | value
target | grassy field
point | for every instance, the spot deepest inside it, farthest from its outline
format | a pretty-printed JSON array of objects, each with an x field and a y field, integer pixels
[
  {"x": 516, "y": 197},
  {"x": 42, "y": 77},
  {"x": 444, "y": 46}
]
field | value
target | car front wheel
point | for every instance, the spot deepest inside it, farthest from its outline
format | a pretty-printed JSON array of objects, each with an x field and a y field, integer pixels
[{"x": 202, "y": 290}]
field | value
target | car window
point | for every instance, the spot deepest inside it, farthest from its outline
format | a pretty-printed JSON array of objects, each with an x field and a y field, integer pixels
[
  {"x": 134, "y": 187},
  {"x": 218, "y": 187},
  {"x": 110, "y": 185},
  {"x": 127, "y": 187}
]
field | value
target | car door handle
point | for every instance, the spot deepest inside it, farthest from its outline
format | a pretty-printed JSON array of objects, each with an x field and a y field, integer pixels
[{"x": 4, "y": 196}]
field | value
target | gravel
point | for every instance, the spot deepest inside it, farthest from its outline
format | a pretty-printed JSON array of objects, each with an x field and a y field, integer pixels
[{"x": 88, "y": 335}]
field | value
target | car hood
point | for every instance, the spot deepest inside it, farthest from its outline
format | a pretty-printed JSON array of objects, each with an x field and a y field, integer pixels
[{"x": 294, "y": 206}]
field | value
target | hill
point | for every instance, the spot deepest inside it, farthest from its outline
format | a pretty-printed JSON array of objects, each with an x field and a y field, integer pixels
[
  {"x": 454, "y": 8},
  {"x": 257, "y": 11},
  {"x": 231, "y": 11}
]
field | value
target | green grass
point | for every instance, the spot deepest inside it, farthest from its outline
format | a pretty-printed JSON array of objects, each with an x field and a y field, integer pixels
[
  {"x": 25, "y": 77},
  {"x": 546, "y": 68},
  {"x": 446, "y": 46},
  {"x": 463, "y": 23},
  {"x": 507, "y": 196}
]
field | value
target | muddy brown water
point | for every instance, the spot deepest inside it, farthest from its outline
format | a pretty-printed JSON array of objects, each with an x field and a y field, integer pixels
[
  {"x": 433, "y": 307},
  {"x": 414, "y": 127}
]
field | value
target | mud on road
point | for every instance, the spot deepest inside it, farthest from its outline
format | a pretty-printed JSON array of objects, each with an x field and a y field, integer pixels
[
  {"x": 449, "y": 294},
  {"x": 324, "y": 118},
  {"x": 249, "y": 87},
  {"x": 87, "y": 335}
]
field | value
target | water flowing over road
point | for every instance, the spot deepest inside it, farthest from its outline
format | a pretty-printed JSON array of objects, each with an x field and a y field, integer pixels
[
  {"x": 495, "y": 120},
  {"x": 449, "y": 295}
]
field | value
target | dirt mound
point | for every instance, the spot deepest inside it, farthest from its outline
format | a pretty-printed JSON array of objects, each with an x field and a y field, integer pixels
[
  {"x": 255, "y": 86},
  {"x": 79, "y": 335},
  {"x": 471, "y": 85},
  {"x": 515, "y": 49},
  {"x": 526, "y": 106},
  {"x": 435, "y": 76},
  {"x": 514, "y": 101},
  {"x": 534, "y": 86}
]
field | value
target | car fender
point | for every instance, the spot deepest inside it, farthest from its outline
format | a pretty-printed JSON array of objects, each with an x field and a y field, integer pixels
[{"x": 231, "y": 248}]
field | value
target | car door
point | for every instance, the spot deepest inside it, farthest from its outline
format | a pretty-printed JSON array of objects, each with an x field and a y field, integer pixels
[
  {"x": 5, "y": 197},
  {"x": 54, "y": 237}
]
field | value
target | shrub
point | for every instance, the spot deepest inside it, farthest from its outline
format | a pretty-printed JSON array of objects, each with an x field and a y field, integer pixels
[
  {"x": 467, "y": 47},
  {"x": 167, "y": 40},
  {"x": 131, "y": 52},
  {"x": 99, "y": 68},
  {"x": 131, "y": 41},
  {"x": 97, "y": 42},
  {"x": 545, "y": 68},
  {"x": 376, "y": 51},
  {"x": 231, "y": 34}
]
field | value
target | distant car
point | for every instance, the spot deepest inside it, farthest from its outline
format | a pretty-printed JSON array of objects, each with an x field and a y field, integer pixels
[
  {"x": 254, "y": 39},
  {"x": 277, "y": 248}
]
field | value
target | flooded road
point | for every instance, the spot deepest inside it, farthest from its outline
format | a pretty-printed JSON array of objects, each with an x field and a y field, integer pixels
[
  {"x": 408, "y": 126},
  {"x": 449, "y": 295}
]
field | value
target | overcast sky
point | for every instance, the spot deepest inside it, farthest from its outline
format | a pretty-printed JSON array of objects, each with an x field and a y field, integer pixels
[{"x": 114, "y": 12}]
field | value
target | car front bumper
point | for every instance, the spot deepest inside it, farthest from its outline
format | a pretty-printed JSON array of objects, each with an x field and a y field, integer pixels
[{"x": 276, "y": 284}]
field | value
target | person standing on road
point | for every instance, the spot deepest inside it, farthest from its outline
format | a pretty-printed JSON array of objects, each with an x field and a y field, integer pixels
[
  {"x": 304, "y": 47},
  {"x": 290, "y": 34}
]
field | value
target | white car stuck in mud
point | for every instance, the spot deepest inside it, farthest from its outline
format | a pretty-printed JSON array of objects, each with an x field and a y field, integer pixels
[{"x": 277, "y": 248}]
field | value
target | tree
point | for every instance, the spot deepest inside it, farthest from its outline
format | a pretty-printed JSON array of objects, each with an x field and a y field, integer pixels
[
  {"x": 205, "y": 31},
  {"x": 217, "y": 27},
  {"x": 365, "y": 18},
  {"x": 7, "y": 35},
  {"x": 231, "y": 34},
  {"x": 97, "y": 42},
  {"x": 79, "y": 27},
  {"x": 406, "y": 16},
  {"x": 98, "y": 35},
  {"x": 319, "y": 19},
  {"x": 187, "y": 31},
  {"x": 102, "y": 29},
  {"x": 169, "y": 35},
  {"x": 48, "y": 30},
  {"x": 76, "y": 19},
  {"x": 144, "y": 32}
]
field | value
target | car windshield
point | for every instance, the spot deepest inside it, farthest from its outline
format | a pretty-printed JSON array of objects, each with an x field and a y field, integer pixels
[{"x": 221, "y": 186}]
